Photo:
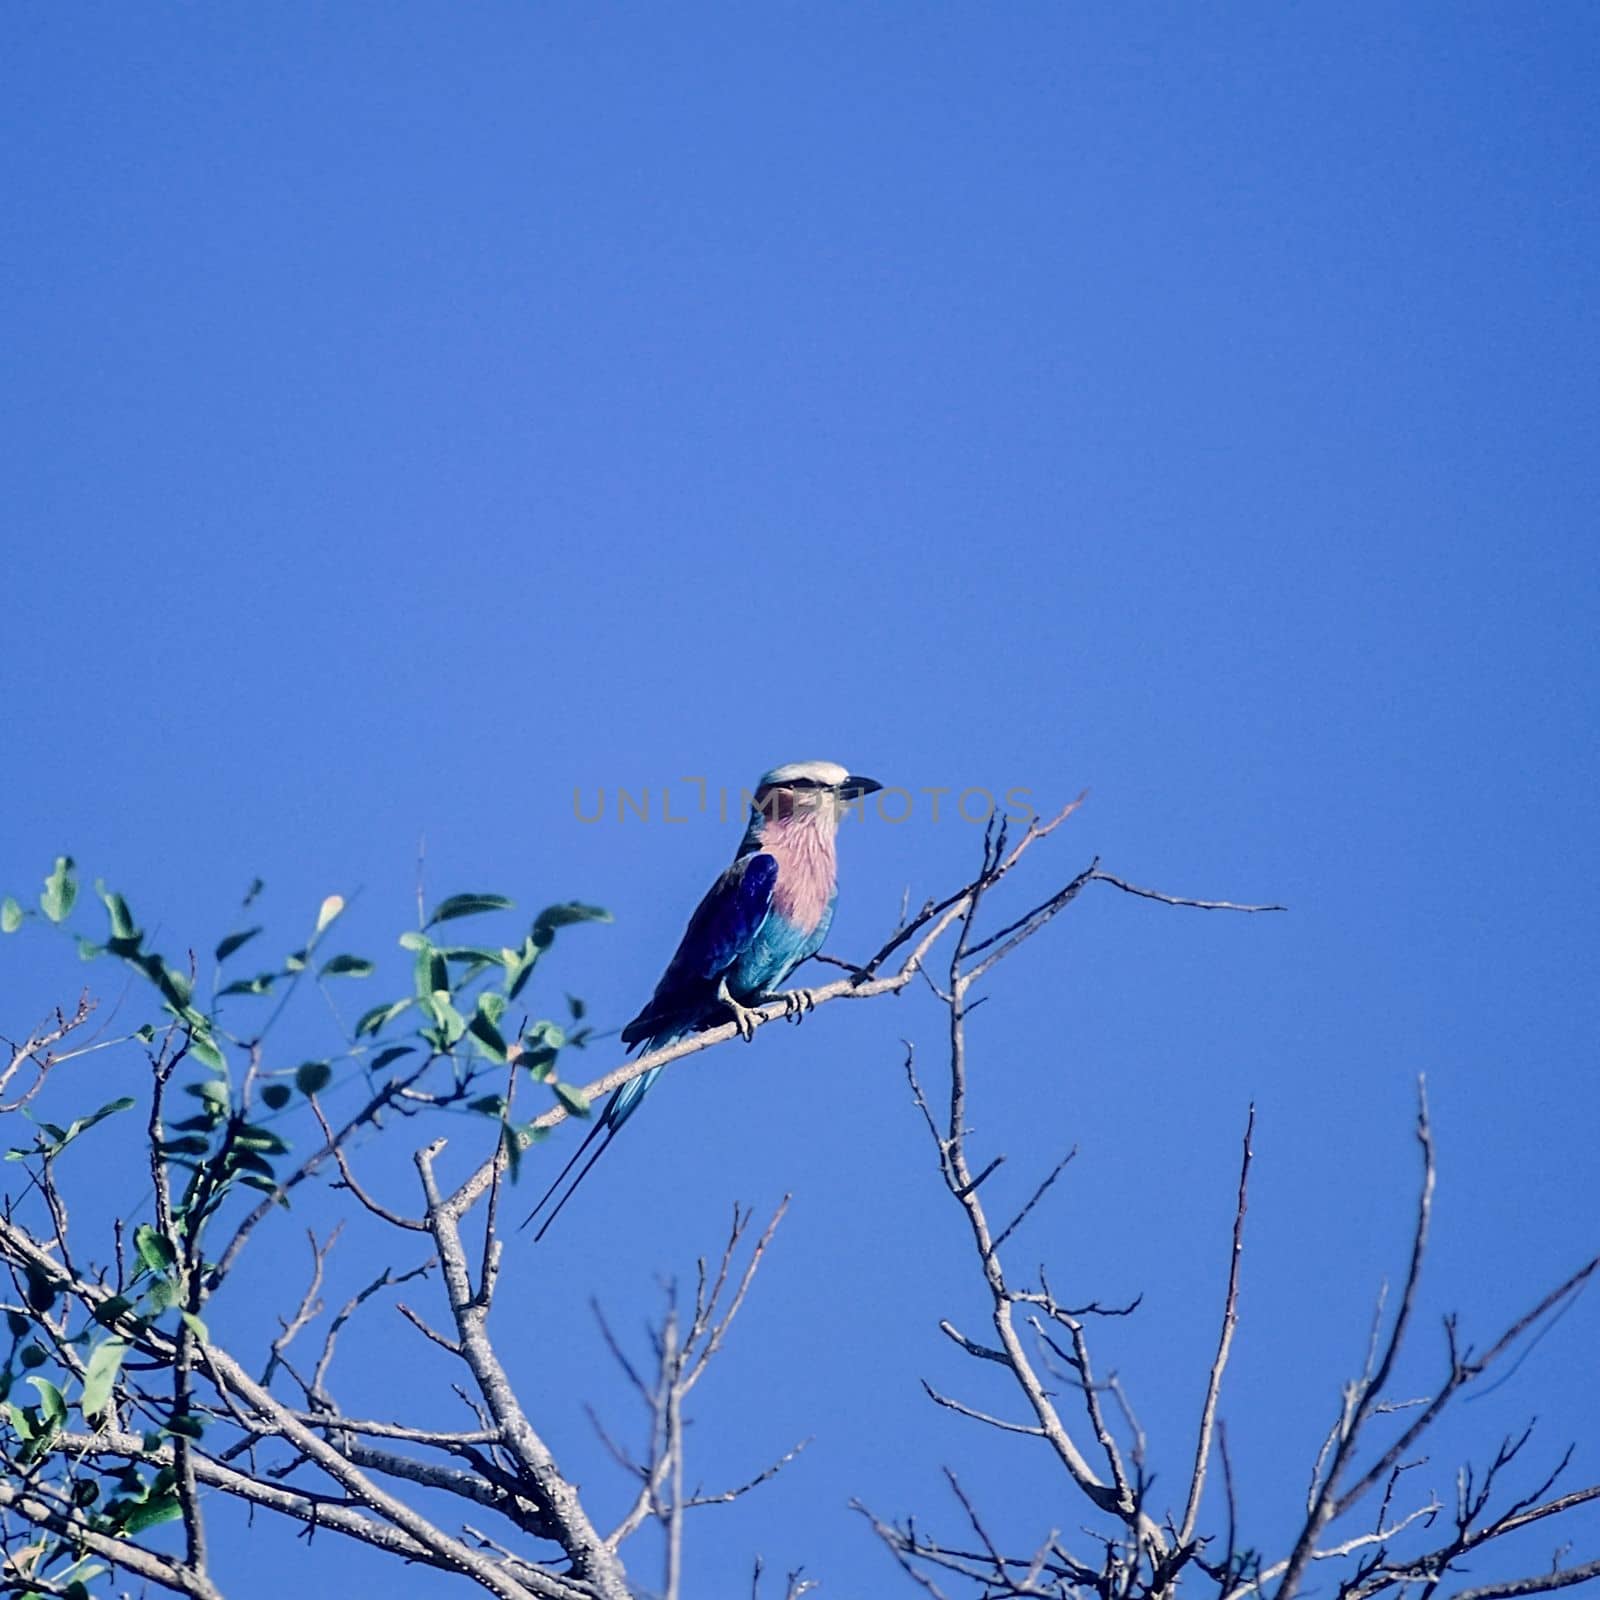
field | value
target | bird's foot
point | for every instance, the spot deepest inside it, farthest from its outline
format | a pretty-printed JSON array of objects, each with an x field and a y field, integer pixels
[
  {"x": 744, "y": 1017},
  {"x": 796, "y": 1002}
]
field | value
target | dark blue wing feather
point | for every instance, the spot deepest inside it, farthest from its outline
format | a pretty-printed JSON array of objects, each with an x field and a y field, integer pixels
[{"x": 723, "y": 927}]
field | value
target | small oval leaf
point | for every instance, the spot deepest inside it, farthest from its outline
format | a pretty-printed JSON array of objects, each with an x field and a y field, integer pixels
[
  {"x": 235, "y": 941},
  {"x": 155, "y": 1250},
  {"x": 53, "y": 1407},
  {"x": 573, "y": 1098},
  {"x": 60, "y": 890},
  {"x": 100, "y": 1375},
  {"x": 313, "y": 1077},
  {"x": 348, "y": 967},
  {"x": 372, "y": 1021},
  {"x": 468, "y": 905}
]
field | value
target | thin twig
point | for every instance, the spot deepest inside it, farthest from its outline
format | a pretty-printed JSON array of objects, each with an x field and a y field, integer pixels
[{"x": 1230, "y": 1319}]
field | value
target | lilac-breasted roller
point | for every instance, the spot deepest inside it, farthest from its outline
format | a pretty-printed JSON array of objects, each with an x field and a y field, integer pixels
[{"x": 765, "y": 915}]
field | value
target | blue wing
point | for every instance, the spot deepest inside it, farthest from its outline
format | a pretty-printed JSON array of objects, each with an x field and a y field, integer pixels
[
  {"x": 725, "y": 926},
  {"x": 722, "y": 929}
]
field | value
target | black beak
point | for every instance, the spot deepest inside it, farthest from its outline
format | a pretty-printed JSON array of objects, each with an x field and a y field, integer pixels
[{"x": 854, "y": 787}]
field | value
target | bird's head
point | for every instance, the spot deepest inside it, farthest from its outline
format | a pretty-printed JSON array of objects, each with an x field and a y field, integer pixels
[{"x": 816, "y": 789}]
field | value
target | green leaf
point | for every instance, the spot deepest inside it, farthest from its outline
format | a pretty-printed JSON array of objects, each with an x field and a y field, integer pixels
[
  {"x": 33, "y": 1355},
  {"x": 276, "y": 1095},
  {"x": 564, "y": 916},
  {"x": 448, "y": 1022},
  {"x": 122, "y": 924},
  {"x": 251, "y": 1136},
  {"x": 153, "y": 1513},
  {"x": 260, "y": 984},
  {"x": 51, "y": 1406},
  {"x": 374, "y": 1020},
  {"x": 493, "y": 1006},
  {"x": 161, "y": 1296},
  {"x": 574, "y": 1099},
  {"x": 512, "y": 1145},
  {"x": 100, "y": 1375},
  {"x": 414, "y": 941},
  {"x": 154, "y": 1248},
  {"x": 196, "y": 1327},
  {"x": 516, "y": 1138},
  {"x": 540, "y": 1046},
  {"x": 109, "y": 1309},
  {"x": 207, "y": 1052},
  {"x": 235, "y": 941},
  {"x": 385, "y": 1058},
  {"x": 467, "y": 905},
  {"x": 313, "y": 1077},
  {"x": 244, "y": 1160},
  {"x": 211, "y": 1090},
  {"x": 41, "y": 1290},
  {"x": 83, "y": 1124},
  {"x": 88, "y": 950},
  {"x": 576, "y": 1007},
  {"x": 491, "y": 1105},
  {"x": 124, "y": 1102},
  {"x": 422, "y": 971},
  {"x": 517, "y": 976},
  {"x": 17, "y": 1323},
  {"x": 487, "y": 1037},
  {"x": 11, "y": 915},
  {"x": 191, "y": 1144},
  {"x": 187, "y": 1423},
  {"x": 174, "y": 985},
  {"x": 348, "y": 967},
  {"x": 267, "y": 1186},
  {"x": 540, "y": 1062},
  {"x": 60, "y": 890},
  {"x": 474, "y": 955}
]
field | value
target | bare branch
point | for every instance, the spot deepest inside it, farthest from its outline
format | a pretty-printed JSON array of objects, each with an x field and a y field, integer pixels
[
  {"x": 310, "y": 1304},
  {"x": 38, "y": 1049},
  {"x": 557, "y": 1499},
  {"x": 1365, "y": 1395},
  {"x": 1037, "y": 1195},
  {"x": 1174, "y": 899},
  {"x": 1032, "y": 1430},
  {"x": 1540, "y": 1583},
  {"x": 1230, "y": 1318},
  {"x": 333, "y": 1143}
]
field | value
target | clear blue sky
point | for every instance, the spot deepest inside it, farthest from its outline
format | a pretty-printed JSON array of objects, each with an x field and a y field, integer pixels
[{"x": 415, "y": 413}]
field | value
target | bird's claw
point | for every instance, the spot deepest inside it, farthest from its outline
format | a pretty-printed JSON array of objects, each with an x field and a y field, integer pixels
[
  {"x": 745, "y": 1017},
  {"x": 796, "y": 1002}
]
